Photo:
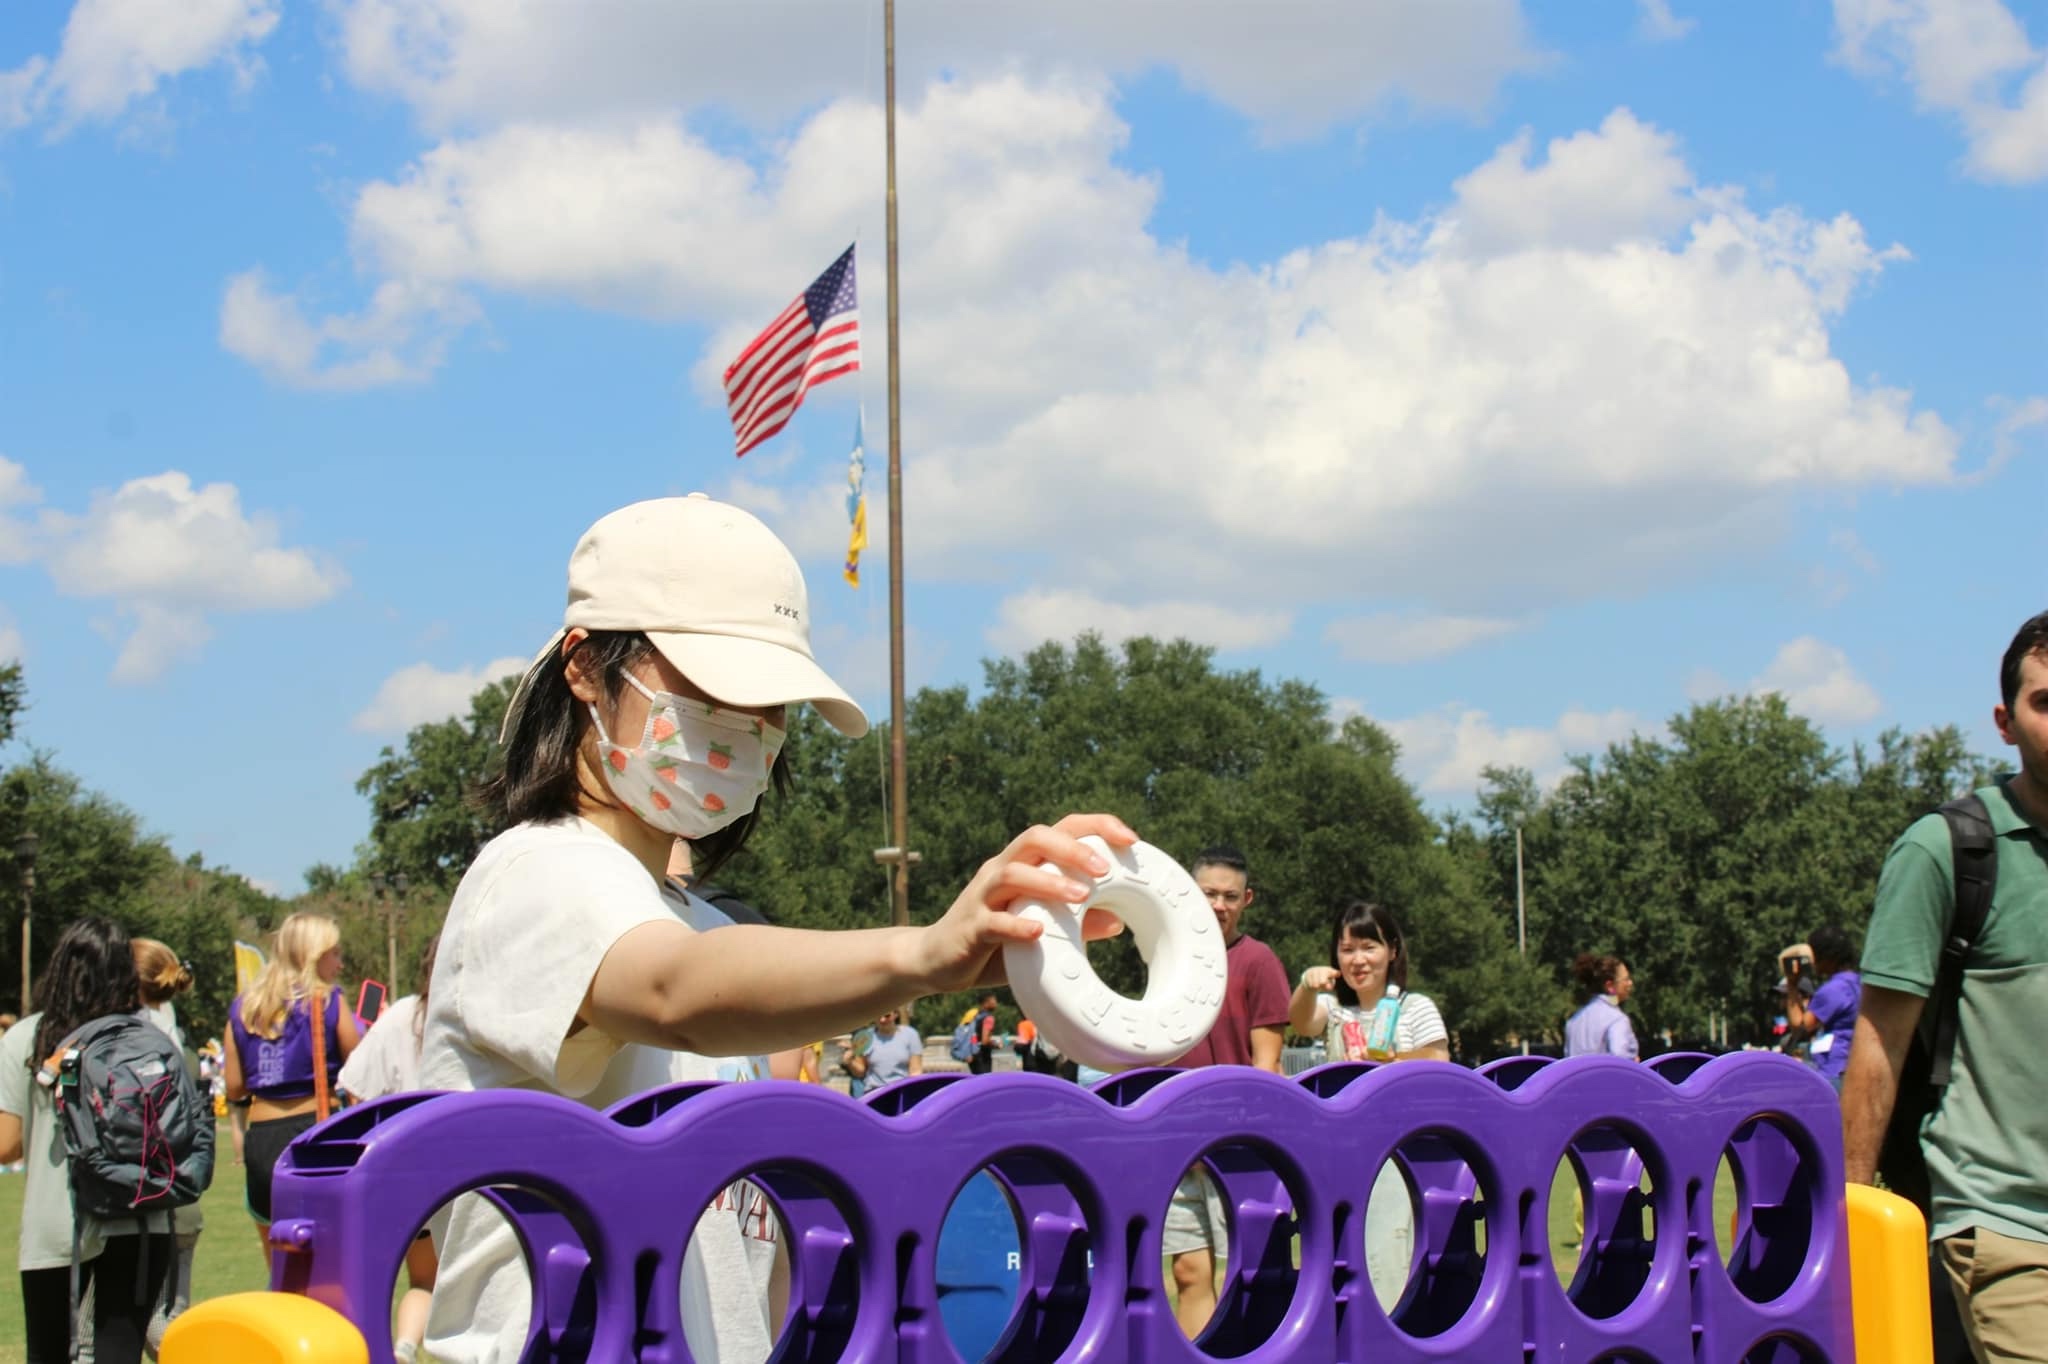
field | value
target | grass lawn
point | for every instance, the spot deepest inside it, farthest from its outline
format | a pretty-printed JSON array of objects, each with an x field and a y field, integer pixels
[{"x": 230, "y": 1261}]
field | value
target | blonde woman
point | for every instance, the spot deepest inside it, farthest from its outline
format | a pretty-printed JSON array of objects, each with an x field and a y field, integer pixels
[{"x": 270, "y": 1046}]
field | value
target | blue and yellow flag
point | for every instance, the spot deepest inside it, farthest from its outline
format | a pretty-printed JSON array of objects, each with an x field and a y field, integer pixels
[
  {"x": 856, "y": 503},
  {"x": 248, "y": 965}
]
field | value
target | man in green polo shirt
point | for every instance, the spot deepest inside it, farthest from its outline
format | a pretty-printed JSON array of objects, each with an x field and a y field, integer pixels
[{"x": 1987, "y": 1142}]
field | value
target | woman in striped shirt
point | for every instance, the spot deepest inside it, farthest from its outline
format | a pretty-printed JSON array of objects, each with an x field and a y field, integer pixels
[{"x": 1338, "y": 1003}]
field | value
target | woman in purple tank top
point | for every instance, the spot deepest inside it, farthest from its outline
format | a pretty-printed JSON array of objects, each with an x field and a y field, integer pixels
[{"x": 270, "y": 1046}]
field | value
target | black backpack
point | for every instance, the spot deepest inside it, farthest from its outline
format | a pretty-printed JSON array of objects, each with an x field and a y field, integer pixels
[
  {"x": 1930, "y": 1056},
  {"x": 138, "y": 1134}
]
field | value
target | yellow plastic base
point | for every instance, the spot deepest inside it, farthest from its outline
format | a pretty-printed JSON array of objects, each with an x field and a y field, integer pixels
[
  {"x": 263, "y": 1328},
  {"x": 1888, "y": 1277}
]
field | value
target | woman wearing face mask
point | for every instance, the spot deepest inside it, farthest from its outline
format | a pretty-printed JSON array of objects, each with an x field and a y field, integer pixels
[
  {"x": 1342, "y": 1004},
  {"x": 567, "y": 966}
]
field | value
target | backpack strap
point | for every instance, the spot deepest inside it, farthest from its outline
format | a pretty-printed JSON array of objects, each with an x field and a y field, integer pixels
[
  {"x": 321, "y": 1099},
  {"x": 1974, "y": 849},
  {"x": 77, "y": 1298}
]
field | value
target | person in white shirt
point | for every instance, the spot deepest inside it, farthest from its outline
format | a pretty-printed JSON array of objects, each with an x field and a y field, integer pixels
[
  {"x": 387, "y": 1061},
  {"x": 567, "y": 966}
]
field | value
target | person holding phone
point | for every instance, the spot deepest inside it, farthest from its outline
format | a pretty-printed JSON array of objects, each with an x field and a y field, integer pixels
[{"x": 1829, "y": 1020}]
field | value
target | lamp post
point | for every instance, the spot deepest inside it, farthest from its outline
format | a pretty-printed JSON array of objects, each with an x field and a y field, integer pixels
[
  {"x": 1521, "y": 910},
  {"x": 390, "y": 896},
  {"x": 25, "y": 858}
]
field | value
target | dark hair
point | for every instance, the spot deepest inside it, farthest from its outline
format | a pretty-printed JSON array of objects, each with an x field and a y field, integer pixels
[
  {"x": 91, "y": 974},
  {"x": 1831, "y": 943},
  {"x": 538, "y": 781},
  {"x": 2031, "y": 639},
  {"x": 1364, "y": 919},
  {"x": 1594, "y": 973},
  {"x": 1219, "y": 855}
]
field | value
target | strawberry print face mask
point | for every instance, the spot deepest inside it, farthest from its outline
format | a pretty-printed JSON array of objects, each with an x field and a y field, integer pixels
[{"x": 698, "y": 767}]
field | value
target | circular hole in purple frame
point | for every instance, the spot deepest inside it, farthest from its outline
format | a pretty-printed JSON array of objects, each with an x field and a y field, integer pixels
[
  {"x": 1604, "y": 1236},
  {"x": 1248, "y": 1192},
  {"x": 1449, "y": 1206},
  {"x": 1777, "y": 1203},
  {"x": 1015, "y": 1261}
]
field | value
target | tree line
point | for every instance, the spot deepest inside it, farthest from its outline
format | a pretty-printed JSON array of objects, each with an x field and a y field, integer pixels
[{"x": 1695, "y": 854}]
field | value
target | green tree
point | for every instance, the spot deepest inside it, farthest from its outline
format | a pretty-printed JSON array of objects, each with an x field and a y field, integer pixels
[
  {"x": 199, "y": 912},
  {"x": 12, "y": 699},
  {"x": 1698, "y": 856},
  {"x": 425, "y": 820},
  {"x": 92, "y": 857},
  {"x": 1188, "y": 754}
]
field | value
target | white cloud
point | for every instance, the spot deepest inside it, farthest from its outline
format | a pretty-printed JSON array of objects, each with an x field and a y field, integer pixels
[
  {"x": 1625, "y": 181},
  {"x": 20, "y": 93},
  {"x": 1295, "y": 68},
  {"x": 115, "y": 52},
  {"x": 1591, "y": 364},
  {"x": 2015, "y": 420},
  {"x": 401, "y": 337},
  {"x": 158, "y": 639},
  {"x": 1392, "y": 637},
  {"x": 1444, "y": 750},
  {"x": 1970, "y": 59},
  {"x": 167, "y": 556},
  {"x": 1656, "y": 23},
  {"x": 10, "y": 640},
  {"x": 1850, "y": 563},
  {"x": 15, "y": 491},
  {"x": 420, "y": 694},
  {"x": 1027, "y": 619},
  {"x": 1817, "y": 681},
  {"x": 1704, "y": 684},
  {"x": 1852, "y": 548}
]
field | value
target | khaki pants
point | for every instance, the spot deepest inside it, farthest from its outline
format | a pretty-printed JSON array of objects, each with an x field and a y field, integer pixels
[{"x": 2001, "y": 1288}]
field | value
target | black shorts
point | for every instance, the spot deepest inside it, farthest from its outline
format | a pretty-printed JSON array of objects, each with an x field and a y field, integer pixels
[{"x": 261, "y": 1146}]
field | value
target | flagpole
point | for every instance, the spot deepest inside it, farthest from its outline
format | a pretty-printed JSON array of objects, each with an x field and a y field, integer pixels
[{"x": 899, "y": 785}]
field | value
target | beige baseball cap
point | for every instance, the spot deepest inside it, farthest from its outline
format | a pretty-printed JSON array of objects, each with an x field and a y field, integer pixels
[{"x": 715, "y": 591}]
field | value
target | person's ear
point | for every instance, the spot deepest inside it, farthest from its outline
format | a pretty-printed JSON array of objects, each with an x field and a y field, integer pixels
[
  {"x": 585, "y": 684},
  {"x": 2002, "y": 719}
]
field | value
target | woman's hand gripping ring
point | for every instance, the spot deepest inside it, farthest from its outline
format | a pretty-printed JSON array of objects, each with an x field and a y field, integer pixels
[{"x": 1177, "y": 935}]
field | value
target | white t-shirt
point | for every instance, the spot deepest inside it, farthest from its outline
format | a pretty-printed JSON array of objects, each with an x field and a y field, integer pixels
[
  {"x": 1419, "y": 1025},
  {"x": 531, "y": 921},
  {"x": 387, "y": 1060}
]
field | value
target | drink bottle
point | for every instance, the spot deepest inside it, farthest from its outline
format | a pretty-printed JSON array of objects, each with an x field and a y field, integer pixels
[{"x": 1380, "y": 1036}]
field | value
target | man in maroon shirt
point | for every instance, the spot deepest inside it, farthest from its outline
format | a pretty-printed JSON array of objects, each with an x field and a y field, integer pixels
[{"x": 1249, "y": 1030}]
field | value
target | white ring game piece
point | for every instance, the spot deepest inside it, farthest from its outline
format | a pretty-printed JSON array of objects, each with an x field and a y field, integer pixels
[{"x": 1176, "y": 933}]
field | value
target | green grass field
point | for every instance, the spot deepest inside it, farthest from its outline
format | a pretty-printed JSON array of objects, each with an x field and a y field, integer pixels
[{"x": 230, "y": 1261}]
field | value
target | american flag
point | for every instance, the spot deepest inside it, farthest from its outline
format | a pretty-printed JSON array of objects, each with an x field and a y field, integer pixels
[{"x": 814, "y": 339}]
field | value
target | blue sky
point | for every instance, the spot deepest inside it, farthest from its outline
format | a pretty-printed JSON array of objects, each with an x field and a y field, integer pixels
[{"x": 1517, "y": 373}]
